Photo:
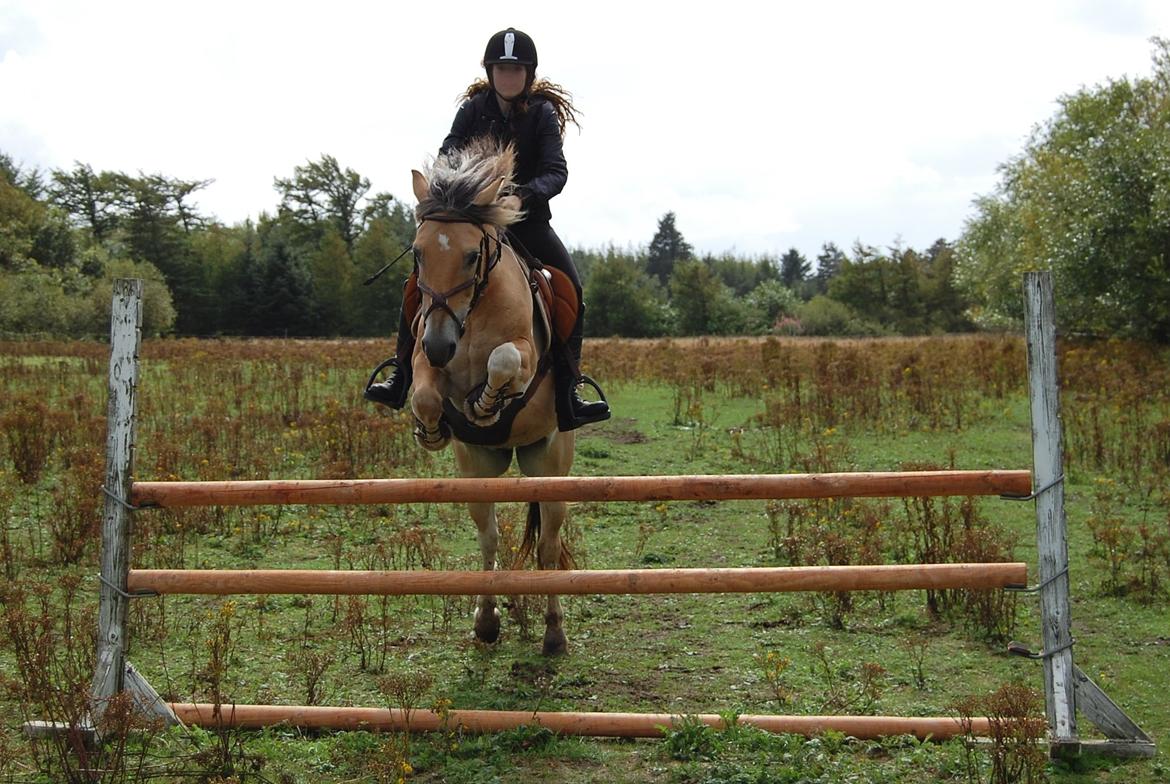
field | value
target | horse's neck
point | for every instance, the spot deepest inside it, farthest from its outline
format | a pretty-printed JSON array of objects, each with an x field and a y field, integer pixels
[
  {"x": 504, "y": 313},
  {"x": 508, "y": 297}
]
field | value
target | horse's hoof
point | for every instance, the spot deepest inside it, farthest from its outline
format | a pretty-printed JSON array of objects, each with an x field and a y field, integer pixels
[
  {"x": 435, "y": 444},
  {"x": 487, "y": 627},
  {"x": 480, "y": 418},
  {"x": 555, "y": 643}
]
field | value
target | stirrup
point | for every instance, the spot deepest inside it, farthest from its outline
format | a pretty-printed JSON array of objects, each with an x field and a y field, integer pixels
[
  {"x": 566, "y": 420},
  {"x": 584, "y": 379},
  {"x": 393, "y": 362}
]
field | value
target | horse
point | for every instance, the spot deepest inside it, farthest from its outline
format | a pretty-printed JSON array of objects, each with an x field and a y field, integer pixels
[{"x": 481, "y": 361}]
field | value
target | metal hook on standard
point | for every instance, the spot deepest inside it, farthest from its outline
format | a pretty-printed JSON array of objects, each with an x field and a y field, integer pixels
[
  {"x": 124, "y": 594},
  {"x": 1035, "y": 493},
  {"x": 1019, "y": 649},
  {"x": 1039, "y": 586}
]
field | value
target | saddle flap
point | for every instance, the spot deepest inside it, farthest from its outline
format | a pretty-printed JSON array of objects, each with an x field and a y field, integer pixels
[{"x": 558, "y": 300}]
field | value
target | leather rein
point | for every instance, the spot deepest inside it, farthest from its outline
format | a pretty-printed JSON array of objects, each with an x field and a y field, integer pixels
[{"x": 484, "y": 265}]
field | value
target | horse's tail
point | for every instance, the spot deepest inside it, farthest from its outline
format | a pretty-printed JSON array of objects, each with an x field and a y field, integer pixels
[{"x": 532, "y": 533}]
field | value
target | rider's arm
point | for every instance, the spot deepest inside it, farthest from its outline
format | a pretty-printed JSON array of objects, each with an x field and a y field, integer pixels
[{"x": 553, "y": 171}]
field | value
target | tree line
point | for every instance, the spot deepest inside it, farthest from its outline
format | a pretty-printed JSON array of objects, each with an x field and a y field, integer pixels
[
  {"x": 299, "y": 271},
  {"x": 666, "y": 289},
  {"x": 1088, "y": 198},
  {"x": 64, "y": 236}
]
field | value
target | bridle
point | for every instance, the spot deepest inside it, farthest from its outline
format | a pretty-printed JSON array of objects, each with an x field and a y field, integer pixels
[{"x": 484, "y": 265}]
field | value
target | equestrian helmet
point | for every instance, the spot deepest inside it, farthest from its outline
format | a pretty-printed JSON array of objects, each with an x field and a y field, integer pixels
[{"x": 510, "y": 46}]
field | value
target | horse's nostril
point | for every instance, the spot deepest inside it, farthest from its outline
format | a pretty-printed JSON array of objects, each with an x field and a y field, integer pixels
[{"x": 439, "y": 352}]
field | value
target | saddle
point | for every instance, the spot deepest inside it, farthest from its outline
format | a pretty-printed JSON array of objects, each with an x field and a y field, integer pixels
[{"x": 553, "y": 295}]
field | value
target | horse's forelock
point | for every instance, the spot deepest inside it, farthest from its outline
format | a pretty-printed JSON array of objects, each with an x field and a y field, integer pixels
[{"x": 458, "y": 177}]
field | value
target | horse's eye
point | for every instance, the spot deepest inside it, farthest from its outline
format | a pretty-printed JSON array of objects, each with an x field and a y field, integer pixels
[
  {"x": 470, "y": 257},
  {"x": 417, "y": 255}
]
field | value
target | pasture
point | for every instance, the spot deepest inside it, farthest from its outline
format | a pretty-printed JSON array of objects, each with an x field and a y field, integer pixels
[{"x": 233, "y": 409}]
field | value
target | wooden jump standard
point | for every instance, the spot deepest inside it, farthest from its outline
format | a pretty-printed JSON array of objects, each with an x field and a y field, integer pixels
[
  {"x": 627, "y": 725},
  {"x": 595, "y": 581},
  {"x": 583, "y": 488}
]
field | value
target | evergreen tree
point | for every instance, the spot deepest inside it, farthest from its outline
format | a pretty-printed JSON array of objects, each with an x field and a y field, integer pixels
[
  {"x": 280, "y": 284},
  {"x": 828, "y": 264},
  {"x": 667, "y": 248},
  {"x": 794, "y": 268}
]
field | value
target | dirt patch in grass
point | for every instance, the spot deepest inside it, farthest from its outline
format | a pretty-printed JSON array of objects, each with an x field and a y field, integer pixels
[{"x": 621, "y": 431}]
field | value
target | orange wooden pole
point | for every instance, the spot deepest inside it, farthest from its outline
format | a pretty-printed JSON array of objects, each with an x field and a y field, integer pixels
[
  {"x": 582, "y": 488},
  {"x": 626, "y": 725},
  {"x": 598, "y": 581}
]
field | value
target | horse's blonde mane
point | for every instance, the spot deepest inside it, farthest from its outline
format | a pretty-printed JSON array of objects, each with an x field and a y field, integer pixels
[{"x": 455, "y": 179}]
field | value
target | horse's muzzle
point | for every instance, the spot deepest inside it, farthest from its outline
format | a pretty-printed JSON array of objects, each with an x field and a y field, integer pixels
[{"x": 439, "y": 351}]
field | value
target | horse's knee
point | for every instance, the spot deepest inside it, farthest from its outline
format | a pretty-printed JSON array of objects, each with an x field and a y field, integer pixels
[
  {"x": 503, "y": 364},
  {"x": 427, "y": 404}
]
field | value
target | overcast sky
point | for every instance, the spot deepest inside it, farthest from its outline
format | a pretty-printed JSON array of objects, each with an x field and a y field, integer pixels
[{"x": 763, "y": 126}]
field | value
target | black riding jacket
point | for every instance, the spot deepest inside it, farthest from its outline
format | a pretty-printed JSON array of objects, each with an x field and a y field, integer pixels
[{"x": 541, "y": 170}]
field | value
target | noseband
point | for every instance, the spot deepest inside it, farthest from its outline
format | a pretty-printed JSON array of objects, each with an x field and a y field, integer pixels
[{"x": 477, "y": 282}]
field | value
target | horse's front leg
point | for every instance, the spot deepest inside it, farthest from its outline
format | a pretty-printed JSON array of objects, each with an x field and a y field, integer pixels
[
  {"x": 509, "y": 371},
  {"x": 426, "y": 403}
]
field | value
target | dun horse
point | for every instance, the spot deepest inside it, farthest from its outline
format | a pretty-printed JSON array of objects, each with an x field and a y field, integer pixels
[{"x": 481, "y": 363}]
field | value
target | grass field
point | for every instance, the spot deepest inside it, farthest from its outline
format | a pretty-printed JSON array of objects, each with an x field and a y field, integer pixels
[{"x": 292, "y": 409}]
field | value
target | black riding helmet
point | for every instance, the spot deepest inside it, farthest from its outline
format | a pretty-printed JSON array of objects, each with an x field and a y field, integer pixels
[{"x": 514, "y": 47}]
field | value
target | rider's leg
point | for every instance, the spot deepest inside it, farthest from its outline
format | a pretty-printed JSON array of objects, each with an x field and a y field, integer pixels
[
  {"x": 572, "y": 410},
  {"x": 392, "y": 392}
]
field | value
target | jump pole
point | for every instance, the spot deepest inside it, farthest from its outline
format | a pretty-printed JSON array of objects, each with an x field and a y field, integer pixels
[
  {"x": 891, "y": 577},
  {"x": 731, "y": 487},
  {"x": 626, "y": 725}
]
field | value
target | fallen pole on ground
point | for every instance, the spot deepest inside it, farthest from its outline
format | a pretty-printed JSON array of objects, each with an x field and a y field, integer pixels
[{"x": 623, "y": 725}]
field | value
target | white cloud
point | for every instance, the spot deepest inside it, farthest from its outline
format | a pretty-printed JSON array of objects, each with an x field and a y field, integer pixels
[{"x": 761, "y": 127}]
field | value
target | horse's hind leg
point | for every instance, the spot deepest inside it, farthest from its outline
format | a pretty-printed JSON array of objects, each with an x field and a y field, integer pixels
[
  {"x": 548, "y": 554},
  {"x": 480, "y": 462},
  {"x": 552, "y": 457},
  {"x": 487, "y": 617}
]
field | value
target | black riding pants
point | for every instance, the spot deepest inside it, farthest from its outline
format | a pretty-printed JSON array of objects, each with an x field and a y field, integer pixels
[{"x": 543, "y": 243}]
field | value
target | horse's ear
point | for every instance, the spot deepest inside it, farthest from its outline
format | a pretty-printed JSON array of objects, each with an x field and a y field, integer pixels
[
  {"x": 421, "y": 186},
  {"x": 488, "y": 194}
]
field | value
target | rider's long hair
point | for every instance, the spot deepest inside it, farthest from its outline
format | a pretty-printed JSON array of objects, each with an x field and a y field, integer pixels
[{"x": 560, "y": 98}]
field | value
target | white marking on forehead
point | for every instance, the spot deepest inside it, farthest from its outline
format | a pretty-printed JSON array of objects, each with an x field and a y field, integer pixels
[{"x": 444, "y": 242}]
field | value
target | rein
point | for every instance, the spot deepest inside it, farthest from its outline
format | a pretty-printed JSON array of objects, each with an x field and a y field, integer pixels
[{"x": 484, "y": 265}]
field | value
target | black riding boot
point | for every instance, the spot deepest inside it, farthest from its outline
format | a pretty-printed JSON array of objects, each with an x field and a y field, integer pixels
[
  {"x": 572, "y": 410},
  {"x": 392, "y": 392}
]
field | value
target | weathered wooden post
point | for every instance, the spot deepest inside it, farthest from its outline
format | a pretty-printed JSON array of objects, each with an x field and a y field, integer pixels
[
  {"x": 1066, "y": 686},
  {"x": 125, "y": 339},
  {"x": 1051, "y": 528}
]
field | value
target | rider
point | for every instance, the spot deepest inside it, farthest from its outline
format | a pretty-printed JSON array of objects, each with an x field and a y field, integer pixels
[{"x": 512, "y": 106}]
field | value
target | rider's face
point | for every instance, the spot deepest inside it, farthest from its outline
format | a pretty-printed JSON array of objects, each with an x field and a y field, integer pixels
[{"x": 509, "y": 79}]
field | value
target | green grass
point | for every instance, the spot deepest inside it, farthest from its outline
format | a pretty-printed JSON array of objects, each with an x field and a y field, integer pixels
[{"x": 676, "y": 654}]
